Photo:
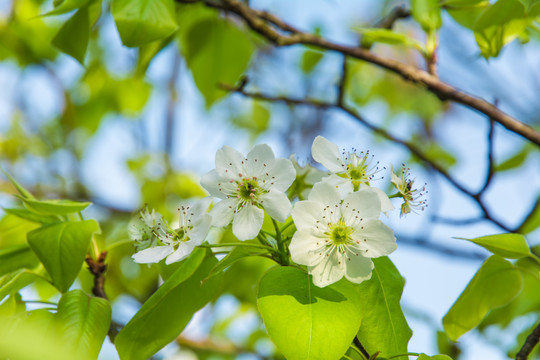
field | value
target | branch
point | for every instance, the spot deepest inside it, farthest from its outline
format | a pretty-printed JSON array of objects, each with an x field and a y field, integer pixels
[
  {"x": 398, "y": 12},
  {"x": 529, "y": 344},
  {"x": 272, "y": 28},
  {"x": 378, "y": 130},
  {"x": 227, "y": 349}
]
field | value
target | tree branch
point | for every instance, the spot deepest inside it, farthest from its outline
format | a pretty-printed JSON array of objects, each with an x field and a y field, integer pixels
[
  {"x": 272, "y": 28},
  {"x": 531, "y": 341}
]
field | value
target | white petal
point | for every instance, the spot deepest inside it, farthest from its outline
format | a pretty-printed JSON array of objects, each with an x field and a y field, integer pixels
[
  {"x": 229, "y": 163},
  {"x": 152, "y": 255},
  {"x": 325, "y": 193},
  {"x": 358, "y": 269},
  {"x": 136, "y": 229},
  {"x": 327, "y": 153},
  {"x": 396, "y": 180},
  {"x": 281, "y": 175},
  {"x": 259, "y": 160},
  {"x": 386, "y": 204},
  {"x": 306, "y": 213},
  {"x": 363, "y": 204},
  {"x": 200, "y": 207},
  {"x": 375, "y": 237},
  {"x": 222, "y": 213},
  {"x": 303, "y": 248},
  {"x": 328, "y": 271},
  {"x": 200, "y": 229},
  {"x": 277, "y": 205},
  {"x": 210, "y": 181},
  {"x": 343, "y": 185},
  {"x": 248, "y": 222},
  {"x": 183, "y": 251}
]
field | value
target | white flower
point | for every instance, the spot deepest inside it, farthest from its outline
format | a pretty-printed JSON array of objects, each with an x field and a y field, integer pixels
[
  {"x": 194, "y": 224},
  {"x": 146, "y": 229},
  {"x": 248, "y": 185},
  {"x": 351, "y": 172},
  {"x": 411, "y": 197},
  {"x": 306, "y": 177},
  {"x": 337, "y": 238}
]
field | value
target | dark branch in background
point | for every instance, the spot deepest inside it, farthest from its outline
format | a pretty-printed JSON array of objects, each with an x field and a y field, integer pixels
[
  {"x": 207, "y": 345},
  {"x": 283, "y": 34},
  {"x": 171, "y": 106},
  {"x": 439, "y": 249},
  {"x": 398, "y": 12},
  {"x": 531, "y": 341},
  {"x": 378, "y": 130},
  {"x": 491, "y": 163}
]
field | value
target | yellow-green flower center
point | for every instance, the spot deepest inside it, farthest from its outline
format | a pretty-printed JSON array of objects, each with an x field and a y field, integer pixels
[{"x": 340, "y": 234}]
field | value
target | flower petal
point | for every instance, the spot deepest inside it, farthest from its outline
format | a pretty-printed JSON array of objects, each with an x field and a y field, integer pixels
[
  {"x": 306, "y": 213},
  {"x": 281, "y": 175},
  {"x": 229, "y": 163},
  {"x": 396, "y": 180},
  {"x": 358, "y": 269},
  {"x": 325, "y": 193},
  {"x": 328, "y": 271},
  {"x": 200, "y": 207},
  {"x": 259, "y": 160},
  {"x": 364, "y": 203},
  {"x": 376, "y": 239},
  {"x": 222, "y": 213},
  {"x": 343, "y": 185},
  {"x": 247, "y": 222},
  {"x": 211, "y": 182},
  {"x": 277, "y": 205},
  {"x": 183, "y": 251},
  {"x": 386, "y": 204},
  {"x": 304, "y": 246},
  {"x": 152, "y": 255},
  {"x": 327, "y": 154},
  {"x": 200, "y": 229}
]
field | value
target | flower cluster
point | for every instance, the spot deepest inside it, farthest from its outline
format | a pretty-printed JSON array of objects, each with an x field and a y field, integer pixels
[{"x": 338, "y": 230}]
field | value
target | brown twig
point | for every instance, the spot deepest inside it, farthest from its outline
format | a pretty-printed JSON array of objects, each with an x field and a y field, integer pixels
[
  {"x": 98, "y": 268},
  {"x": 398, "y": 12},
  {"x": 271, "y": 28},
  {"x": 531, "y": 341}
]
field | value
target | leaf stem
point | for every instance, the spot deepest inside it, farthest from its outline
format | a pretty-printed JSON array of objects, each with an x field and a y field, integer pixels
[
  {"x": 357, "y": 351},
  {"x": 283, "y": 256},
  {"x": 118, "y": 244},
  {"x": 238, "y": 244},
  {"x": 406, "y": 354}
]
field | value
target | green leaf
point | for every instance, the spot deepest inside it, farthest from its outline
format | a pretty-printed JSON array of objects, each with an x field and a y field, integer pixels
[
  {"x": 216, "y": 52},
  {"x": 256, "y": 121},
  {"x": 384, "y": 327},
  {"x": 514, "y": 161},
  {"x": 72, "y": 38},
  {"x": 496, "y": 283},
  {"x": 143, "y": 21},
  {"x": 532, "y": 222},
  {"x": 427, "y": 13},
  {"x": 167, "y": 312},
  {"x": 17, "y": 257},
  {"x": 32, "y": 216},
  {"x": 24, "y": 193},
  {"x": 66, "y": 6},
  {"x": 310, "y": 59},
  {"x": 238, "y": 253},
  {"x": 433, "y": 357},
  {"x": 499, "y": 24},
  {"x": 55, "y": 207},
  {"x": 307, "y": 322},
  {"x": 13, "y": 282},
  {"x": 510, "y": 246},
  {"x": 84, "y": 321},
  {"x": 464, "y": 3},
  {"x": 62, "y": 248},
  {"x": 385, "y": 36}
]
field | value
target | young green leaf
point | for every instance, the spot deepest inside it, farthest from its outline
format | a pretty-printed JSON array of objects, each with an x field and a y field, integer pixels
[
  {"x": 55, "y": 207},
  {"x": 510, "y": 246},
  {"x": 385, "y": 36},
  {"x": 61, "y": 248},
  {"x": 143, "y": 21},
  {"x": 427, "y": 13},
  {"x": 72, "y": 38},
  {"x": 307, "y": 322},
  {"x": 495, "y": 284},
  {"x": 66, "y": 6},
  {"x": 32, "y": 216},
  {"x": 14, "y": 281},
  {"x": 310, "y": 59},
  {"x": 384, "y": 327},
  {"x": 216, "y": 52},
  {"x": 238, "y": 253},
  {"x": 532, "y": 222},
  {"x": 83, "y": 321},
  {"x": 17, "y": 257},
  {"x": 165, "y": 314},
  {"x": 24, "y": 193},
  {"x": 433, "y": 357}
]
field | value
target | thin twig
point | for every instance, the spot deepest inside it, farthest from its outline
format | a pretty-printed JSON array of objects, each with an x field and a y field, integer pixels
[
  {"x": 491, "y": 164},
  {"x": 398, "y": 12},
  {"x": 531, "y": 341},
  {"x": 360, "y": 347},
  {"x": 271, "y": 28}
]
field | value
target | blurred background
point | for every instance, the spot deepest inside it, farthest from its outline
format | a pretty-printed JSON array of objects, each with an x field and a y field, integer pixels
[{"x": 132, "y": 126}]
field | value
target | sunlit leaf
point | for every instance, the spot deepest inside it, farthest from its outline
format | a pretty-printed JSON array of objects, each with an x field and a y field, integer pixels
[
  {"x": 55, "y": 207},
  {"x": 496, "y": 283},
  {"x": 62, "y": 248},
  {"x": 17, "y": 257},
  {"x": 385, "y": 36},
  {"x": 65, "y": 6},
  {"x": 72, "y": 38},
  {"x": 307, "y": 322},
  {"x": 510, "y": 246},
  {"x": 384, "y": 327},
  {"x": 310, "y": 60},
  {"x": 32, "y": 216},
  {"x": 427, "y": 13}
]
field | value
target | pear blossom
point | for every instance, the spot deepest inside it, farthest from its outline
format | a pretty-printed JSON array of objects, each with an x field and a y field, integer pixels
[
  {"x": 194, "y": 223},
  {"x": 306, "y": 177},
  {"x": 350, "y": 172},
  {"x": 337, "y": 238},
  {"x": 247, "y": 185},
  {"x": 411, "y": 197},
  {"x": 146, "y": 229}
]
